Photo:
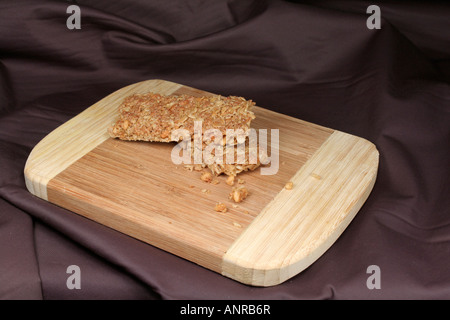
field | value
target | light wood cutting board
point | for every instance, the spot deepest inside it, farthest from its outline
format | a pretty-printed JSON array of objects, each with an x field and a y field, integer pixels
[{"x": 135, "y": 188}]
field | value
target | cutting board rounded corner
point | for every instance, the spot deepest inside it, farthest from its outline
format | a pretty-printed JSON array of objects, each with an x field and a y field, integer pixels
[
  {"x": 264, "y": 256},
  {"x": 33, "y": 180},
  {"x": 78, "y": 136}
]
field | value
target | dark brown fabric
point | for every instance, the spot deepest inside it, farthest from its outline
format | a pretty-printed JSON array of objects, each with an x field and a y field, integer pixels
[{"x": 313, "y": 60}]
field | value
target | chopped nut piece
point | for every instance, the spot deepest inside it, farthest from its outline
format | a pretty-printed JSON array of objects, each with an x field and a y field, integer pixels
[
  {"x": 289, "y": 185},
  {"x": 206, "y": 176},
  {"x": 220, "y": 207},
  {"x": 230, "y": 180},
  {"x": 238, "y": 194}
]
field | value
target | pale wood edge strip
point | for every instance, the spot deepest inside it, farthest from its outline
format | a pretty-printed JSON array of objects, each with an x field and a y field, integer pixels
[
  {"x": 75, "y": 138},
  {"x": 299, "y": 225}
]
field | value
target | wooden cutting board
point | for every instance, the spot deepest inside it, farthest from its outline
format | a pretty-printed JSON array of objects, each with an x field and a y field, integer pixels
[{"x": 135, "y": 188}]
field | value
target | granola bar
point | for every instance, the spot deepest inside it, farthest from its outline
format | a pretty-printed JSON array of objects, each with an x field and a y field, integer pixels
[{"x": 153, "y": 116}]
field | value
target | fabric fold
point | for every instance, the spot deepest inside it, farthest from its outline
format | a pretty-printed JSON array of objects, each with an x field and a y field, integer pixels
[{"x": 317, "y": 62}]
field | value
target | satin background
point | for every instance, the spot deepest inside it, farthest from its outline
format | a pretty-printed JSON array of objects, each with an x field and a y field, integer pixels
[{"x": 315, "y": 60}]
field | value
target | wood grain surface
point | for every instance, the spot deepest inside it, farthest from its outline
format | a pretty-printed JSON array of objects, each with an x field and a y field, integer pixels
[{"x": 135, "y": 188}]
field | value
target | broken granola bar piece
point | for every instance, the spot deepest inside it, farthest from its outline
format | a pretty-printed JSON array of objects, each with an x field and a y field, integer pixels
[
  {"x": 235, "y": 159},
  {"x": 153, "y": 116}
]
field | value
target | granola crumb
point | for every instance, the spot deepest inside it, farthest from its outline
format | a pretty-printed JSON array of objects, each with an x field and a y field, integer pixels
[
  {"x": 230, "y": 180},
  {"x": 237, "y": 224},
  {"x": 289, "y": 185},
  {"x": 198, "y": 167},
  {"x": 238, "y": 194},
  {"x": 205, "y": 191},
  {"x": 241, "y": 181},
  {"x": 194, "y": 167},
  {"x": 206, "y": 176},
  {"x": 215, "y": 181},
  {"x": 235, "y": 205},
  {"x": 220, "y": 207}
]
